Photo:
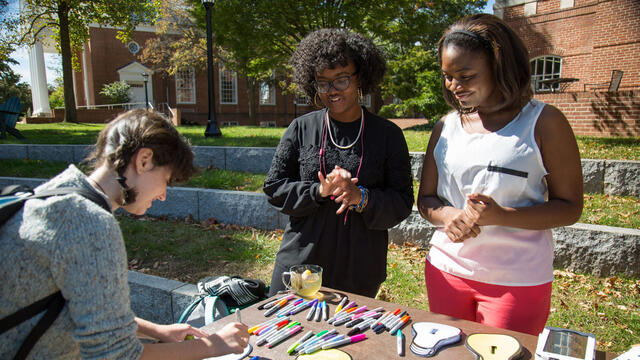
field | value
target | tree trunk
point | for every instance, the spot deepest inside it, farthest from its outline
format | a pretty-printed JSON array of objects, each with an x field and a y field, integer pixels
[
  {"x": 251, "y": 96},
  {"x": 70, "y": 114}
]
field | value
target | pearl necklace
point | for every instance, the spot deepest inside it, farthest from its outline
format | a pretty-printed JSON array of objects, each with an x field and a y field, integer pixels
[{"x": 357, "y": 138}]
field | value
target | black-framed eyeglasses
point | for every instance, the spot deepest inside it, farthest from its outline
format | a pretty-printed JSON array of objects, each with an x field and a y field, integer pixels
[{"x": 341, "y": 83}]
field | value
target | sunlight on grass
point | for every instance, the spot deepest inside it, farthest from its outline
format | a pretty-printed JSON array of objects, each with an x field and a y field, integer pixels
[{"x": 621, "y": 148}]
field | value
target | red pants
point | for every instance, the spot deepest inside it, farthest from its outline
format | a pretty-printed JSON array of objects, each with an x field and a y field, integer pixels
[{"x": 519, "y": 308}]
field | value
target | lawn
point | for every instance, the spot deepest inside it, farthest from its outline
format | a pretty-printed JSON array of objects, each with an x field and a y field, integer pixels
[
  {"x": 186, "y": 251},
  {"x": 417, "y": 137},
  {"x": 599, "y": 209}
]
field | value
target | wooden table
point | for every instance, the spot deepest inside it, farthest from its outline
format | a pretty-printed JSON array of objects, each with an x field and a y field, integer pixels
[{"x": 376, "y": 346}]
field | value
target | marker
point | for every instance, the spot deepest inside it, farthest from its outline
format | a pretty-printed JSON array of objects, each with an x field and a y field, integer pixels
[
  {"x": 254, "y": 329},
  {"x": 394, "y": 322},
  {"x": 400, "y": 343},
  {"x": 302, "y": 306},
  {"x": 297, "y": 343},
  {"x": 399, "y": 325},
  {"x": 342, "y": 303},
  {"x": 311, "y": 312},
  {"x": 317, "y": 339},
  {"x": 325, "y": 311},
  {"x": 308, "y": 341},
  {"x": 255, "y": 357},
  {"x": 318, "y": 312},
  {"x": 282, "y": 337},
  {"x": 273, "y": 302},
  {"x": 275, "y": 308},
  {"x": 238, "y": 317},
  {"x": 319, "y": 345},
  {"x": 285, "y": 310},
  {"x": 345, "y": 341}
]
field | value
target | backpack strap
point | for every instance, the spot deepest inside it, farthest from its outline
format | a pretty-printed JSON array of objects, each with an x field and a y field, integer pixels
[{"x": 54, "y": 303}]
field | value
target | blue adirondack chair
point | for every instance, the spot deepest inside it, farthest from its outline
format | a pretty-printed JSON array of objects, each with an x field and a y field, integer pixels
[{"x": 9, "y": 113}]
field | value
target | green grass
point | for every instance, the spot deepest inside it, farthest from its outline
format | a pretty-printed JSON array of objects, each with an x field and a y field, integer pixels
[
  {"x": 417, "y": 138},
  {"x": 599, "y": 209},
  {"x": 605, "y": 306}
]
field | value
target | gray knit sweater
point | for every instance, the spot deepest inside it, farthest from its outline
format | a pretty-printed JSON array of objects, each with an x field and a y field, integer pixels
[{"x": 68, "y": 243}]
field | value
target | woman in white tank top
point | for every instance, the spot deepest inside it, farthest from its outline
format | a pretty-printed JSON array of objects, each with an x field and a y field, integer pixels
[{"x": 500, "y": 171}]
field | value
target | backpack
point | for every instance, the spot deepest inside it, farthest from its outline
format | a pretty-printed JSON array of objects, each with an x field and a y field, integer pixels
[
  {"x": 12, "y": 199},
  {"x": 219, "y": 296}
]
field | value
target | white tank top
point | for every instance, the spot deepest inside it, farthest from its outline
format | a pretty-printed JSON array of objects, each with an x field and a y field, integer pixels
[{"x": 506, "y": 165}]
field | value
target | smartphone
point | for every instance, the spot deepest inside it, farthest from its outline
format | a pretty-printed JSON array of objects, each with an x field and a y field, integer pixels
[{"x": 565, "y": 344}]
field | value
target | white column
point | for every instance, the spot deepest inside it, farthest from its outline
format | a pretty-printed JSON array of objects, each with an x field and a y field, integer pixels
[{"x": 39, "y": 92}]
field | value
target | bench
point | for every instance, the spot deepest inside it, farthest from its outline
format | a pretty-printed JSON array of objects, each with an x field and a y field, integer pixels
[{"x": 9, "y": 114}]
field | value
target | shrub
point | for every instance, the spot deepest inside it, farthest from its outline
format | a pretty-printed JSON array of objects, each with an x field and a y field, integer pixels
[{"x": 117, "y": 92}]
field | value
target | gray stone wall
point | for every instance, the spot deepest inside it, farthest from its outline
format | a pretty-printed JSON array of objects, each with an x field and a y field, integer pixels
[
  {"x": 601, "y": 250},
  {"x": 614, "y": 177}
]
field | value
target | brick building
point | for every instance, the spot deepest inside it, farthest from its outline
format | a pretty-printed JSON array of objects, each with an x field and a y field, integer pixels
[
  {"x": 582, "y": 42},
  {"x": 106, "y": 59}
]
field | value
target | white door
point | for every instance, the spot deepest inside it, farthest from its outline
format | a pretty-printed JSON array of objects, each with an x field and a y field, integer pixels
[{"x": 136, "y": 93}]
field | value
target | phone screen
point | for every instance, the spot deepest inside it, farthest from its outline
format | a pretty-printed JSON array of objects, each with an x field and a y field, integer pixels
[{"x": 566, "y": 343}]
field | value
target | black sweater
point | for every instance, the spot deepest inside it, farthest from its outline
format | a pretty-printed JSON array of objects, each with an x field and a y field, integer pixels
[{"x": 353, "y": 255}]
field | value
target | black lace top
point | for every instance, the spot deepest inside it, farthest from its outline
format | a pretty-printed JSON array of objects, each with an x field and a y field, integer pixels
[{"x": 353, "y": 255}]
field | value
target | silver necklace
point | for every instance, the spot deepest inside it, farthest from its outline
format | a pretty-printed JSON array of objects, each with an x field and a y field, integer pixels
[{"x": 354, "y": 141}]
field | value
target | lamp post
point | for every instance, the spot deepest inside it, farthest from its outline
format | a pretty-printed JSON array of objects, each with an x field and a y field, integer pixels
[
  {"x": 145, "y": 77},
  {"x": 212, "y": 129}
]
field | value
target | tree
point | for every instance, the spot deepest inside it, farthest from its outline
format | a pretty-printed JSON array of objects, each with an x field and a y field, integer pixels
[
  {"x": 66, "y": 23},
  {"x": 56, "y": 94},
  {"x": 256, "y": 38}
]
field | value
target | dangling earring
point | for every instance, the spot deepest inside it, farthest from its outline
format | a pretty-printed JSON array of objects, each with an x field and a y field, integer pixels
[
  {"x": 360, "y": 97},
  {"x": 315, "y": 102}
]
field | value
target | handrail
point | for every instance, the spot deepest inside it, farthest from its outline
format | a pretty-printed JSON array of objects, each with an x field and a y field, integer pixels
[{"x": 112, "y": 106}]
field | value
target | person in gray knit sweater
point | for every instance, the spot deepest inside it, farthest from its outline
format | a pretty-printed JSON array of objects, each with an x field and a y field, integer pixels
[{"x": 70, "y": 244}]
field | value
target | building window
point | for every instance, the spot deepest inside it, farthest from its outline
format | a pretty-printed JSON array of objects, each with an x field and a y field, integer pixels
[
  {"x": 230, "y": 123},
  {"x": 301, "y": 100},
  {"x": 186, "y": 86},
  {"x": 543, "y": 68},
  {"x": 133, "y": 47},
  {"x": 228, "y": 86},
  {"x": 267, "y": 93}
]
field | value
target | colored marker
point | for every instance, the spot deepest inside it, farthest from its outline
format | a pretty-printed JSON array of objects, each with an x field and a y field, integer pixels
[
  {"x": 325, "y": 311},
  {"x": 289, "y": 333},
  {"x": 311, "y": 312},
  {"x": 400, "y": 343},
  {"x": 319, "y": 345},
  {"x": 297, "y": 343},
  {"x": 285, "y": 310},
  {"x": 275, "y": 308},
  {"x": 399, "y": 325},
  {"x": 345, "y": 341},
  {"x": 342, "y": 303},
  {"x": 311, "y": 341},
  {"x": 264, "y": 324},
  {"x": 318, "y": 312},
  {"x": 302, "y": 307}
]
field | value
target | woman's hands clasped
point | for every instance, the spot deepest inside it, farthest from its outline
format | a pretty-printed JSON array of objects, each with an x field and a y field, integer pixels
[
  {"x": 465, "y": 223},
  {"x": 341, "y": 187}
]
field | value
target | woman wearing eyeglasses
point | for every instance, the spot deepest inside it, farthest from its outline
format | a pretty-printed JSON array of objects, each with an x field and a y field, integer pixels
[{"x": 341, "y": 173}]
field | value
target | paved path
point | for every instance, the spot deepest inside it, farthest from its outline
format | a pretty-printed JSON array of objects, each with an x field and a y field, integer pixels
[{"x": 406, "y": 123}]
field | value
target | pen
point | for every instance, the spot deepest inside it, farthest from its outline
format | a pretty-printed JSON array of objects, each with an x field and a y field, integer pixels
[{"x": 400, "y": 343}]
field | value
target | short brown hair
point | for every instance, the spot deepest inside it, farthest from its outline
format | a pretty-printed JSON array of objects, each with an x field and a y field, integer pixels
[
  {"x": 506, "y": 53},
  {"x": 136, "y": 129}
]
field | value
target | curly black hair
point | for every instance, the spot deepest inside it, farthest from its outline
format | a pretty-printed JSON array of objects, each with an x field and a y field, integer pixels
[{"x": 327, "y": 48}]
